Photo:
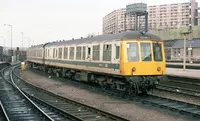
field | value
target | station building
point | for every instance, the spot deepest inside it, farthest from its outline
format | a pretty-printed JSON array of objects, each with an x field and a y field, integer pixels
[
  {"x": 192, "y": 50},
  {"x": 174, "y": 49}
]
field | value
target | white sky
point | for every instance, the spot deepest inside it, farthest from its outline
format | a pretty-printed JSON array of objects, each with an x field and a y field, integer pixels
[{"x": 50, "y": 20}]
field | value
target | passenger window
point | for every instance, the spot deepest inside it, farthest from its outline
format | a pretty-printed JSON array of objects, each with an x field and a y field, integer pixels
[
  {"x": 65, "y": 53},
  {"x": 78, "y": 53},
  {"x": 95, "y": 54},
  {"x": 48, "y": 52},
  {"x": 83, "y": 53},
  {"x": 54, "y": 53},
  {"x": 117, "y": 52},
  {"x": 45, "y": 52},
  {"x": 60, "y": 53},
  {"x": 71, "y": 53},
  {"x": 107, "y": 51}
]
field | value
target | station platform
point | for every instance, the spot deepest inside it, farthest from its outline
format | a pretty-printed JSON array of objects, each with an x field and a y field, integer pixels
[{"x": 181, "y": 73}]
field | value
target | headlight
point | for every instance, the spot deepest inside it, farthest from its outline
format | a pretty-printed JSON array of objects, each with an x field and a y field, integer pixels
[
  {"x": 133, "y": 69},
  {"x": 158, "y": 69}
]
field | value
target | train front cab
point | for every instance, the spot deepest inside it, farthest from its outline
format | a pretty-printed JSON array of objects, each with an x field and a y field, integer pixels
[{"x": 142, "y": 63}]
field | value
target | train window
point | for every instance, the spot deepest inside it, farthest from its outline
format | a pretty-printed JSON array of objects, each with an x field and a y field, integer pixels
[
  {"x": 145, "y": 51},
  {"x": 71, "y": 53},
  {"x": 117, "y": 52},
  {"x": 60, "y": 53},
  {"x": 107, "y": 50},
  {"x": 95, "y": 54},
  {"x": 45, "y": 52},
  {"x": 78, "y": 53},
  {"x": 41, "y": 53},
  {"x": 83, "y": 53},
  {"x": 157, "y": 51},
  {"x": 48, "y": 52},
  {"x": 54, "y": 53},
  {"x": 132, "y": 51},
  {"x": 65, "y": 52}
]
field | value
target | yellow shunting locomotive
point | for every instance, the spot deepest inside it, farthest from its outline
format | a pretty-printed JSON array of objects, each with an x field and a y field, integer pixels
[{"x": 126, "y": 61}]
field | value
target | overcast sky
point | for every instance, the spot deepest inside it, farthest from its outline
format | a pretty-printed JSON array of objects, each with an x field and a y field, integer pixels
[{"x": 48, "y": 20}]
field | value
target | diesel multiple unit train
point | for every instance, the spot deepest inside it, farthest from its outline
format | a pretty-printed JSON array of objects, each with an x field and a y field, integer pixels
[{"x": 128, "y": 61}]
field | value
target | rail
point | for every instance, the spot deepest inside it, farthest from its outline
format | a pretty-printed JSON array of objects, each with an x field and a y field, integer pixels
[
  {"x": 183, "y": 108},
  {"x": 3, "y": 114},
  {"x": 181, "y": 85},
  {"x": 16, "y": 104},
  {"x": 71, "y": 107}
]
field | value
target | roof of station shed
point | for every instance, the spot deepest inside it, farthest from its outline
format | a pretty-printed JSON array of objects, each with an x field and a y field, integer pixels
[
  {"x": 180, "y": 43},
  {"x": 107, "y": 37}
]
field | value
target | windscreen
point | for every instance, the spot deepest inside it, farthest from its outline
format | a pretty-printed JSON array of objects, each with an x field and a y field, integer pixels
[
  {"x": 132, "y": 51},
  {"x": 157, "y": 51},
  {"x": 145, "y": 51}
]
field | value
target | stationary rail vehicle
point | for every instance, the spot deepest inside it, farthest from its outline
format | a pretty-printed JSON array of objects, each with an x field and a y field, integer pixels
[{"x": 127, "y": 61}]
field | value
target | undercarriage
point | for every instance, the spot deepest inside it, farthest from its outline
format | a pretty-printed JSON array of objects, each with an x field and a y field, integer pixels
[{"x": 129, "y": 84}]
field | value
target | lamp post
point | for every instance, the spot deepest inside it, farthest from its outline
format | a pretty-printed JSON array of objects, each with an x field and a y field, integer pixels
[
  {"x": 184, "y": 50},
  {"x": 10, "y": 32}
]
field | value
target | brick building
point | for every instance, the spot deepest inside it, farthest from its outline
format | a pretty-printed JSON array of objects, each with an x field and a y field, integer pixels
[{"x": 192, "y": 50}]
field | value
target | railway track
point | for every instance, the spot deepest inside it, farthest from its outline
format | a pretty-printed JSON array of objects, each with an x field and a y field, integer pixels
[
  {"x": 181, "y": 85},
  {"x": 3, "y": 115},
  {"x": 179, "y": 90},
  {"x": 182, "y": 108},
  {"x": 16, "y": 106},
  {"x": 73, "y": 109},
  {"x": 185, "y": 108}
]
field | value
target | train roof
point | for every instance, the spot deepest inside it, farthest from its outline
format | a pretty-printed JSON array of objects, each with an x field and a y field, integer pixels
[
  {"x": 107, "y": 37},
  {"x": 36, "y": 46}
]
